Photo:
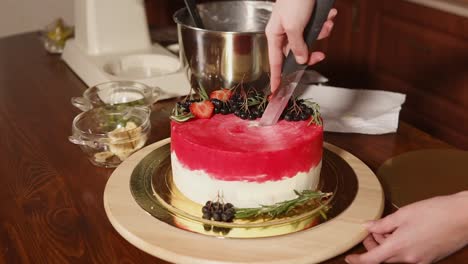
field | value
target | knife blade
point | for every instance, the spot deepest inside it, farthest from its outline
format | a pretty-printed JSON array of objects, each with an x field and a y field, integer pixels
[
  {"x": 279, "y": 101},
  {"x": 293, "y": 72}
]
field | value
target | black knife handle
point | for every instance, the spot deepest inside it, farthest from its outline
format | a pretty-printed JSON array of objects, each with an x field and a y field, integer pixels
[{"x": 311, "y": 33}]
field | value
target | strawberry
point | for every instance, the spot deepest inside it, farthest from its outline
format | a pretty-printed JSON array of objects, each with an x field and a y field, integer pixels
[
  {"x": 223, "y": 95},
  {"x": 203, "y": 109}
]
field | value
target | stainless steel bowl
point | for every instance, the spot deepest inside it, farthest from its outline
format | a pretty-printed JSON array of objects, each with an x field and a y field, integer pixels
[{"x": 231, "y": 49}]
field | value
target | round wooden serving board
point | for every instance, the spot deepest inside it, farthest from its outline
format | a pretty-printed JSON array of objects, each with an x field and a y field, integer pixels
[{"x": 172, "y": 244}]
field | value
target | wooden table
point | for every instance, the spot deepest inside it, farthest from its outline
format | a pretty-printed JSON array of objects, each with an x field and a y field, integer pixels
[{"x": 51, "y": 201}]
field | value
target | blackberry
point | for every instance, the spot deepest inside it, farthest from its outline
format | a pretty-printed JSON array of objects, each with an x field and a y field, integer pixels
[
  {"x": 205, "y": 209},
  {"x": 256, "y": 112},
  {"x": 237, "y": 112},
  {"x": 224, "y": 111},
  {"x": 235, "y": 97},
  {"x": 225, "y": 217},
  {"x": 228, "y": 216},
  {"x": 288, "y": 117},
  {"x": 243, "y": 115},
  {"x": 185, "y": 105},
  {"x": 304, "y": 116},
  {"x": 225, "y": 231},
  {"x": 207, "y": 215},
  {"x": 207, "y": 227},
  {"x": 217, "y": 103},
  {"x": 252, "y": 116},
  {"x": 217, "y": 211},
  {"x": 217, "y": 217},
  {"x": 296, "y": 118},
  {"x": 222, "y": 230},
  {"x": 216, "y": 110},
  {"x": 217, "y": 229}
]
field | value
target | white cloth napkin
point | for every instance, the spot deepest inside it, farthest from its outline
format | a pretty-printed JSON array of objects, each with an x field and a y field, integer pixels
[{"x": 355, "y": 111}]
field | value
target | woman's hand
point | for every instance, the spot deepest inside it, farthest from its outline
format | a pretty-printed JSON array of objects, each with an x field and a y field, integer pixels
[
  {"x": 423, "y": 232},
  {"x": 285, "y": 31}
]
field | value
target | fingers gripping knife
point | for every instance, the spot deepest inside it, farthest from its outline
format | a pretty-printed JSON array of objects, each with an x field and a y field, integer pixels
[{"x": 292, "y": 72}]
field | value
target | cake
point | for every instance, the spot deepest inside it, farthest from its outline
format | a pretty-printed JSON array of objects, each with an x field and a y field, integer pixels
[{"x": 247, "y": 164}]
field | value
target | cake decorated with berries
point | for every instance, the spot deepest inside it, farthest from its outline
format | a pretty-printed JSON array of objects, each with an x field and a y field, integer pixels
[{"x": 219, "y": 149}]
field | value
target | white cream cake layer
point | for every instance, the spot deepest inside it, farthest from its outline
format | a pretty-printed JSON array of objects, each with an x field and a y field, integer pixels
[{"x": 200, "y": 187}]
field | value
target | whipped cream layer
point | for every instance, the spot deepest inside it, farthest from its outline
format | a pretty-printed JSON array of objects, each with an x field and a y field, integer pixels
[
  {"x": 199, "y": 186},
  {"x": 228, "y": 148}
]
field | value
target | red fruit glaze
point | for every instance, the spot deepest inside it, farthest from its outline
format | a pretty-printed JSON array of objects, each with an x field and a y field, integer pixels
[{"x": 231, "y": 149}]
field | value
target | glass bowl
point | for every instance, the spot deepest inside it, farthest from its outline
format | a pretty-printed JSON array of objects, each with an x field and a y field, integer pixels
[
  {"x": 108, "y": 135},
  {"x": 128, "y": 93}
]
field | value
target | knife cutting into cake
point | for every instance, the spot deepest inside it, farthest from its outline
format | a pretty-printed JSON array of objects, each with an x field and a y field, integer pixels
[{"x": 281, "y": 25}]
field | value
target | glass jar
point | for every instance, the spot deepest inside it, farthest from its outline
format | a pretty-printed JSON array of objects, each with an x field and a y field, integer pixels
[
  {"x": 108, "y": 135},
  {"x": 127, "y": 93}
]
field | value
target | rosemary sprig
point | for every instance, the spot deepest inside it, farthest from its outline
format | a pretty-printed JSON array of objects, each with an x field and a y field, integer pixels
[
  {"x": 263, "y": 103},
  {"x": 179, "y": 114},
  {"x": 281, "y": 208},
  {"x": 182, "y": 117},
  {"x": 316, "y": 118},
  {"x": 255, "y": 100},
  {"x": 202, "y": 92}
]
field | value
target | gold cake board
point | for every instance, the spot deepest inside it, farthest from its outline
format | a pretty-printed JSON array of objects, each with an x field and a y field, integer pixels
[{"x": 176, "y": 245}]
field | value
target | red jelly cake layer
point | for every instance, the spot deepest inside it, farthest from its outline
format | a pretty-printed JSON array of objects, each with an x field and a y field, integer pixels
[{"x": 247, "y": 164}]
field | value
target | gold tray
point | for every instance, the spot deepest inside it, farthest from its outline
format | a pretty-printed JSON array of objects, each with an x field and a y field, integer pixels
[{"x": 153, "y": 189}]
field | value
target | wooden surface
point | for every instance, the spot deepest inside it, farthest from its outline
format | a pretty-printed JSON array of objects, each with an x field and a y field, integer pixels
[
  {"x": 51, "y": 203},
  {"x": 162, "y": 240},
  {"x": 423, "y": 53}
]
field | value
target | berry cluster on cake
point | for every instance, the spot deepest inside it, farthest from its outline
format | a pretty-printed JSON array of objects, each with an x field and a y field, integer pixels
[{"x": 218, "y": 149}]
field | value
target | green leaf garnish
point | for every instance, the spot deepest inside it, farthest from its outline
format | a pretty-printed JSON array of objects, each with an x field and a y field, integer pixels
[
  {"x": 316, "y": 117},
  {"x": 281, "y": 208},
  {"x": 182, "y": 117},
  {"x": 203, "y": 94}
]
